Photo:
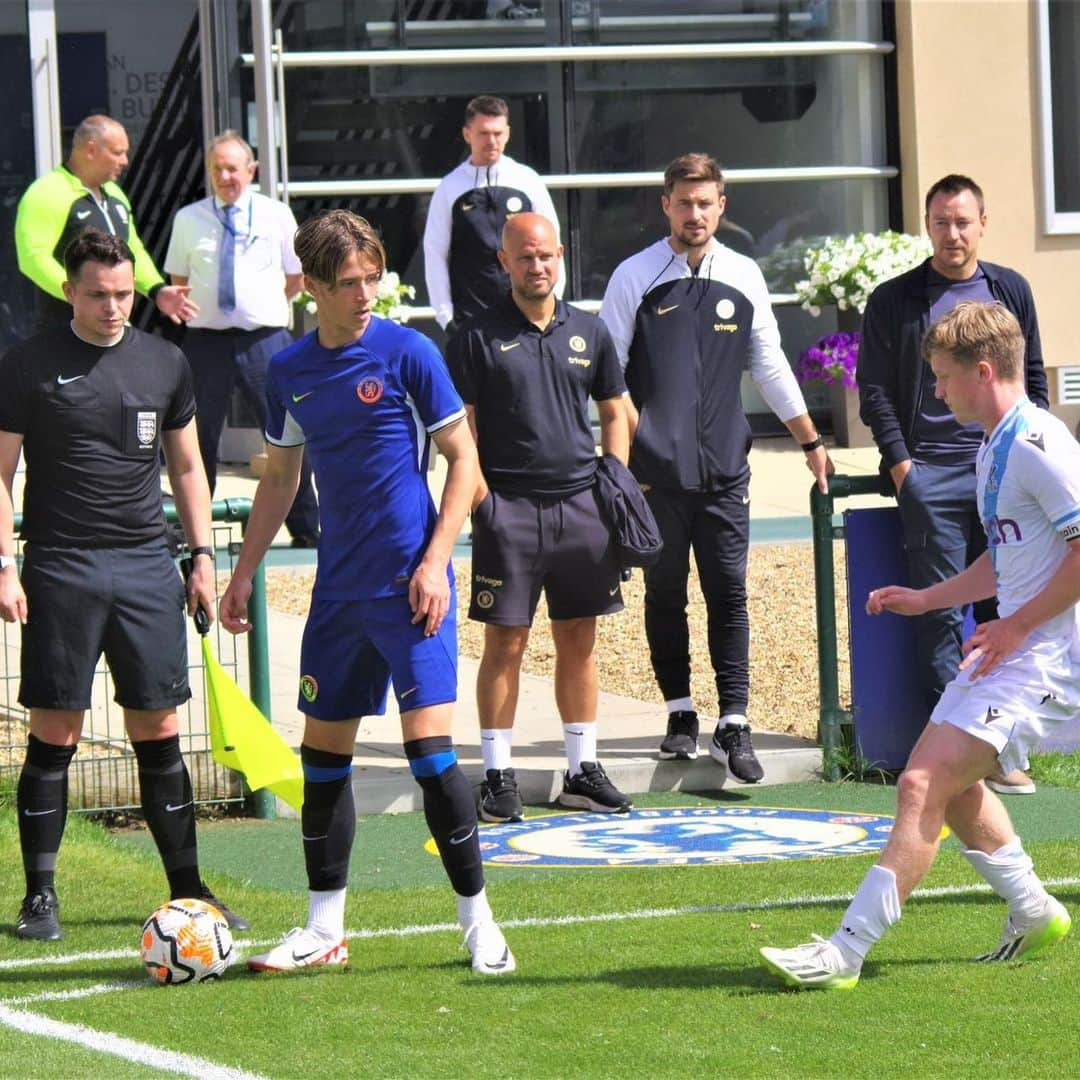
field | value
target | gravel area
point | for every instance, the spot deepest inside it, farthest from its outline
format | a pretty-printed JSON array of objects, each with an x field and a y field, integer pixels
[{"x": 783, "y": 637}]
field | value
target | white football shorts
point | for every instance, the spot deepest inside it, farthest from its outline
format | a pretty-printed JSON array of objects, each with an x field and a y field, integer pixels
[{"x": 1017, "y": 705}]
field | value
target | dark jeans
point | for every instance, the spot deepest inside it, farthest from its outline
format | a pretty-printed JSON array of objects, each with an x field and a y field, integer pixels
[
  {"x": 717, "y": 526},
  {"x": 221, "y": 358},
  {"x": 942, "y": 536}
]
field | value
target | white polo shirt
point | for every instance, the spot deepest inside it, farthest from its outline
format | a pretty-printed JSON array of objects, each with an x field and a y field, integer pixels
[{"x": 264, "y": 255}]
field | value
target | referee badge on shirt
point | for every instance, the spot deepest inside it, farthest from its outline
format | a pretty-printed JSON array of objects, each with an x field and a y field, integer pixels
[
  {"x": 146, "y": 428},
  {"x": 141, "y": 427}
]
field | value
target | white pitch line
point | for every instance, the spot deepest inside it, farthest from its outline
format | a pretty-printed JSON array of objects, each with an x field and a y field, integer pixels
[
  {"x": 555, "y": 920},
  {"x": 74, "y": 995},
  {"x": 106, "y": 1042}
]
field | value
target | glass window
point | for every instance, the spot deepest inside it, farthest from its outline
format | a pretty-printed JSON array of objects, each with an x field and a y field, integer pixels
[{"x": 1059, "y": 78}]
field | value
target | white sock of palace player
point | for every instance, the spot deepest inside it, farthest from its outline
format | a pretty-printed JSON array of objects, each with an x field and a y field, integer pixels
[
  {"x": 326, "y": 914},
  {"x": 873, "y": 909},
  {"x": 1011, "y": 874},
  {"x": 495, "y": 744},
  {"x": 580, "y": 742},
  {"x": 680, "y": 704}
]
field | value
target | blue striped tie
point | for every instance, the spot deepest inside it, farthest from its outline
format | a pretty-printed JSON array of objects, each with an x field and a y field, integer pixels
[{"x": 226, "y": 290}]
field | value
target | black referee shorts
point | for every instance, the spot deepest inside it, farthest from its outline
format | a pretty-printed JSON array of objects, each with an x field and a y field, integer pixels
[
  {"x": 522, "y": 544},
  {"x": 127, "y": 603}
]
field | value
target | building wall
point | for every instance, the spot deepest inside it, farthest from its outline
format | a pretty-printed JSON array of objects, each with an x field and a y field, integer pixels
[{"x": 968, "y": 78}]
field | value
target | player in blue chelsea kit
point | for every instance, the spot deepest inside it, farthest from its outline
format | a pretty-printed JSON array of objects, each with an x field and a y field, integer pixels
[{"x": 364, "y": 396}]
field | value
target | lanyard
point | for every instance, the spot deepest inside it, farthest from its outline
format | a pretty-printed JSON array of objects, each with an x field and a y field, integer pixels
[{"x": 223, "y": 217}]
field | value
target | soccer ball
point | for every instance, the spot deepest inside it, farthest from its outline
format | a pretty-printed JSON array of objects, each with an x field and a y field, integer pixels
[{"x": 186, "y": 941}]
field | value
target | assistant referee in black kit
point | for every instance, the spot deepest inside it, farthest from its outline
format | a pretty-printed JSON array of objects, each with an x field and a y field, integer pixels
[{"x": 90, "y": 406}]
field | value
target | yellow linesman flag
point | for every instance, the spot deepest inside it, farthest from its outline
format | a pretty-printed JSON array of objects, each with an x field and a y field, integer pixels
[{"x": 241, "y": 738}]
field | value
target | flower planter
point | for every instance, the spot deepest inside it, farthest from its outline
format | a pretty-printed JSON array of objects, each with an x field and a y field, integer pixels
[{"x": 848, "y": 429}]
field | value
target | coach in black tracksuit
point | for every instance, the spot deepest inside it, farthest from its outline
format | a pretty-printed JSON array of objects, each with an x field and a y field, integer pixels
[
  {"x": 526, "y": 369},
  {"x": 687, "y": 315}
]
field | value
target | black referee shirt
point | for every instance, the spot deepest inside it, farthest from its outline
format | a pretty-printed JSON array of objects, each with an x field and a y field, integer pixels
[
  {"x": 91, "y": 419},
  {"x": 531, "y": 391}
]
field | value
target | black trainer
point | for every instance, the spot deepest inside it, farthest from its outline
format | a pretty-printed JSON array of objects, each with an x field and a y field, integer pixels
[
  {"x": 39, "y": 916},
  {"x": 592, "y": 790},
  {"x": 500, "y": 799},
  {"x": 731, "y": 746},
  {"x": 236, "y": 922},
  {"x": 681, "y": 739}
]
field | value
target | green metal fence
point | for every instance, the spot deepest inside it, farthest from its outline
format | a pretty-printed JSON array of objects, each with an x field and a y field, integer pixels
[
  {"x": 834, "y": 721},
  {"x": 103, "y": 775}
]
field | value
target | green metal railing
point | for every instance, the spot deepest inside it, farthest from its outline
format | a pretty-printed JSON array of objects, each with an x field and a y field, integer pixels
[
  {"x": 832, "y": 717},
  {"x": 105, "y": 778}
]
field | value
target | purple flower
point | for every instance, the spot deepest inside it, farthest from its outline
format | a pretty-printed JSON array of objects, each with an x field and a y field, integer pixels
[{"x": 831, "y": 359}]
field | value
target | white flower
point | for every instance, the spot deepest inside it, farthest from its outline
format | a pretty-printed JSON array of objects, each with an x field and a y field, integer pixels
[{"x": 845, "y": 270}]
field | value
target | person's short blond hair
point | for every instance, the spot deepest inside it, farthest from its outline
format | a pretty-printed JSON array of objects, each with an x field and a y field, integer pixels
[
  {"x": 324, "y": 242},
  {"x": 974, "y": 331}
]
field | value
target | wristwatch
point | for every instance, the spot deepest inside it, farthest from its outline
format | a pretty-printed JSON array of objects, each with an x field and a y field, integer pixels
[
  {"x": 202, "y": 550},
  {"x": 6, "y": 561},
  {"x": 813, "y": 444}
]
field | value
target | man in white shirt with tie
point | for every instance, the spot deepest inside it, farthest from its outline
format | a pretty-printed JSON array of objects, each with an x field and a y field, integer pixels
[{"x": 235, "y": 250}]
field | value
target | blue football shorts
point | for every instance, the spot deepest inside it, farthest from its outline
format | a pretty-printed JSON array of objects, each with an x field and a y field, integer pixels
[{"x": 352, "y": 649}]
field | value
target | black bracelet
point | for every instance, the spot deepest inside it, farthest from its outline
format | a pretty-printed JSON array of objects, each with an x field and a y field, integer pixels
[
  {"x": 812, "y": 445},
  {"x": 203, "y": 550}
]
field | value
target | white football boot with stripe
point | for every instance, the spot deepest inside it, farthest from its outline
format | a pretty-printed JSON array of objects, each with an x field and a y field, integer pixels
[
  {"x": 300, "y": 948},
  {"x": 819, "y": 964},
  {"x": 1023, "y": 938},
  {"x": 487, "y": 946}
]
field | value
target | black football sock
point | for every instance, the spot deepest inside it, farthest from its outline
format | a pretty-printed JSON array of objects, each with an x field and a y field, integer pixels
[
  {"x": 328, "y": 818},
  {"x": 450, "y": 810},
  {"x": 169, "y": 809},
  {"x": 41, "y": 802}
]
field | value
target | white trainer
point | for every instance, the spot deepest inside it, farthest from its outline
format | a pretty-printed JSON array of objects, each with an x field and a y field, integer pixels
[
  {"x": 300, "y": 948},
  {"x": 1021, "y": 939},
  {"x": 487, "y": 946},
  {"x": 819, "y": 964}
]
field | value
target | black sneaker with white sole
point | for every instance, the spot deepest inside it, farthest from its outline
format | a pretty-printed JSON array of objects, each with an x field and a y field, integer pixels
[
  {"x": 500, "y": 799},
  {"x": 39, "y": 916},
  {"x": 731, "y": 746},
  {"x": 681, "y": 740},
  {"x": 592, "y": 790}
]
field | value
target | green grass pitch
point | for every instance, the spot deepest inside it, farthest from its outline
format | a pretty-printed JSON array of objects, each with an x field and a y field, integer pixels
[{"x": 617, "y": 974}]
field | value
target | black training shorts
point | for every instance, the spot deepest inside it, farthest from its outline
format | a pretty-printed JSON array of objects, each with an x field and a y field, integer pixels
[
  {"x": 522, "y": 543},
  {"x": 127, "y": 603}
]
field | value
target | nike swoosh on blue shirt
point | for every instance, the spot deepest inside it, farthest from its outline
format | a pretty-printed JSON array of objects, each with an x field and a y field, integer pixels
[{"x": 300, "y": 397}]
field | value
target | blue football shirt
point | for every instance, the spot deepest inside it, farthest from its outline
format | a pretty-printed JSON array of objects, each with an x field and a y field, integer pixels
[{"x": 365, "y": 413}]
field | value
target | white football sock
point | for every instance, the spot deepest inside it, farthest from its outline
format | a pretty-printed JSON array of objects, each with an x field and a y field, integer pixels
[
  {"x": 680, "y": 704},
  {"x": 473, "y": 909},
  {"x": 580, "y": 742},
  {"x": 495, "y": 744},
  {"x": 1011, "y": 874},
  {"x": 873, "y": 909},
  {"x": 326, "y": 914},
  {"x": 736, "y": 718}
]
